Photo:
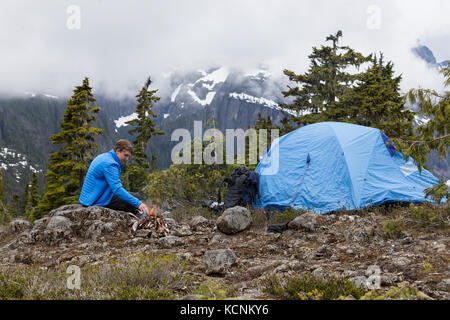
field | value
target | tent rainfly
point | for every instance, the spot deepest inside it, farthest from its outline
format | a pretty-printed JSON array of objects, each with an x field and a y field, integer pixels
[{"x": 329, "y": 166}]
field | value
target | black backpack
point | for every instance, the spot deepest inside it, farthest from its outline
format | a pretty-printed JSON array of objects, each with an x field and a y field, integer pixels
[{"x": 243, "y": 186}]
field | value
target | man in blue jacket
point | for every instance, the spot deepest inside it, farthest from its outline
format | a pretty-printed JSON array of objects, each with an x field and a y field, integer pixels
[{"x": 102, "y": 185}]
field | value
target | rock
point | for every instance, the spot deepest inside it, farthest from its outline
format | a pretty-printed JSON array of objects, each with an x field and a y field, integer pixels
[
  {"x": 109, "y": 227},
  {"x": 361, "y": 235},
  {"x": 40, "y": 224},
  {"x": 258, "y": 271},
  {"x": 234, "y": 220},
  {"x": 423, "y": 296},
  {"x": 19, "y": 225},
  {"x": 54, "y": 237},
  {"x": 143, "y": 233},
  {"x": 170, "y": 241},
  {"x": 307, "y": 221},
  {"x": 439, "y": 247},
  {"x": 334, "y": 257},
  {"x": 182, "y": 231},
  {"x": 94, "y": 230},
  {"x": 360, "y": 282},
  {"x": 390, "y": 279},
  {"x": 217, "y": 238},
  {"x": 170, "y": 222},
  {"x": 198, "y": 222},
  {"x": 406, "y": 240},
  {"x": 136, "y": 242},
  {"x": 218, "y": 261},
  {"x": 319, "y": 273},
  {"x": 185, "y": 256},
  {"x": 322, "y": 251},
  {"x": 59, "y": 222},
  {"x": 25, "y": 238},
  {"x": 281, "y": 268},
  {"x": 401, "y": 261},
  {"x": 444, "y": 285}
]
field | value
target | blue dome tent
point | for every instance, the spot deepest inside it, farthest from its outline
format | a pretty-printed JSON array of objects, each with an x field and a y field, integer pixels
[{"x": 332, "y": 165}]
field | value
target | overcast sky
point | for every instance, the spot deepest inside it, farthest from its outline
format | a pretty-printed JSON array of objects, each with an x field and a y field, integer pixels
[{"x": 49, "y": 46}]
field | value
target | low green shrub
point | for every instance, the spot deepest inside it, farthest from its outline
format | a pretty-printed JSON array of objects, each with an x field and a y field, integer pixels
[
  {"x": 394, "y": 229},
  {"x": 309, "y": 287},
  {"x": 210, "y": 290}
]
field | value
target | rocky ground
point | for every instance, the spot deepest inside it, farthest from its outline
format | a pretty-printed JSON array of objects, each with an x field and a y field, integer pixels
[{"x": 373, "y": 250}]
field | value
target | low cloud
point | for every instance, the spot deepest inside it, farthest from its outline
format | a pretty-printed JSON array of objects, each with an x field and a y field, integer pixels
[{"x": 120, "y": 43}]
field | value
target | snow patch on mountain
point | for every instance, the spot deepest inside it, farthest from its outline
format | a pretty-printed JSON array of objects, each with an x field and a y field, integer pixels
[
  {"x": 50, "y": 96},
  {"x": 218, "y": 76},
  {"x": 175, "y": 93},
  {"x": 10, "y": 159},
  {"x": 209, "y": 97},
  {"x": 421, "y": 120},
  {"x": 121, "y": 121},
  {"x": 448, "y": 183},
  {"x": 34, "y": 94},
  {"x": 262, "y": 101}
]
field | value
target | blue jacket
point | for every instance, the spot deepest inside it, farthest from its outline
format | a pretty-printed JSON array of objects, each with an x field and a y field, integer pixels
[{"x": 103, "y": 181}]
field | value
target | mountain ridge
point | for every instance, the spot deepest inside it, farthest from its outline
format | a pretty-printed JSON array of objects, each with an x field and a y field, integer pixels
[{"x": 233, "y": 97}]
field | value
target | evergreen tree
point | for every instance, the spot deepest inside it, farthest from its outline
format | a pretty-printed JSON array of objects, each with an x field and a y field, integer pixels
[
  {"x": 286, "y": 126},
  {"x": 138, "y": 168},
  {"x": 325, "y": 81},
  {"x": 375, "y": 102},
  {"x": 265, "y": 122},
  {"x": 68, "y": 165},
  {"x": 33, "y": 196},
  {"x": 13, "y": 207},
  {"x": 4, "y": 215},
  {"x": 435, "y": 134},
  {"x": 24, "y": 200}
]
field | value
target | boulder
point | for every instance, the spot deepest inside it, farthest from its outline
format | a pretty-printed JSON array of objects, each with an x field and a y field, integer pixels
[
  {"x": 181, "y": 231},
  {"x": 20, "y": 225},
  {"x": 59, "y": 222},
  {"x": 170, "y": 241},
  {"x": 200, "y": 223},
  {"x": 218, "y": 261},
  {"x": 143, "y": 233},
  {"x": 360, "y": 282},
  {"x": 95, "y": 229},
  {"x": 444, "y": 285},
  {"x": 307, "y": 221},
  {"x": 40, "y": 224},
  {"x": 54, "y": 237},
  {"x": 66, "y": 223},
  {"x": 234, "y": 220}
]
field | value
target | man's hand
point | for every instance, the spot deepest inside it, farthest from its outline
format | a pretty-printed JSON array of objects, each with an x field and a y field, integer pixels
[{"x": 143, "y": 208}]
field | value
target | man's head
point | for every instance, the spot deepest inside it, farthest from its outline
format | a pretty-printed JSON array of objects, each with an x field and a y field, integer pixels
[{"x": 123, "y": 149}]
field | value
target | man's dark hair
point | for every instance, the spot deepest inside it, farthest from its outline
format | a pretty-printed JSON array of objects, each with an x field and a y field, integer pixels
[{"x": 123, "y": 144}]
